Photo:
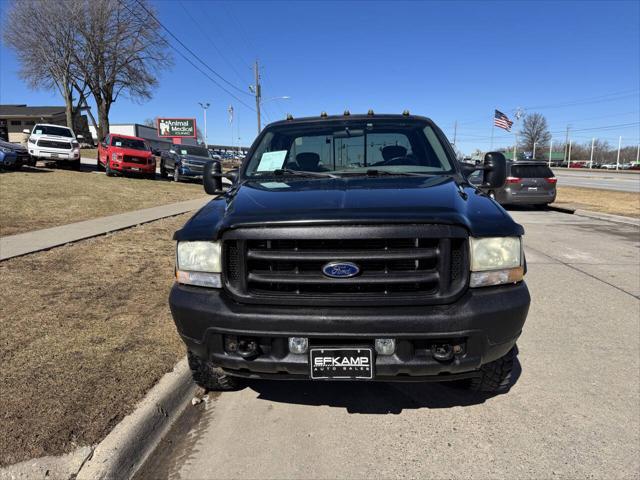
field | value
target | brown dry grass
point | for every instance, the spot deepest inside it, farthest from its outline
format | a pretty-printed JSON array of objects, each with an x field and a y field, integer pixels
[
  {"x": 605, "y": 201},
  {"x": 36, "y": 198},
  {"x": 86, "y": 331}
]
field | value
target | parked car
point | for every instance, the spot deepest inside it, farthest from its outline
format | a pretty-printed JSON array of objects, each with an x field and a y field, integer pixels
[
  {"x": 376, "y": 262},
  {"x": 14, "y": 156},
  {"x": 528, "y": 182},
  {"x": 608, "y": 166},
  {"x": 184, "y": 161},
  {"x": 125, "y": 154},
  {"x": 54, "y": 143}
]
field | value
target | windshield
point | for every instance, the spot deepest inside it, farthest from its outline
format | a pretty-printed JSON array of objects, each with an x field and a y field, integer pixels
[
  {"x": 132, "y": 143},
  {"x": 192, "y": 150},
  {"x": 52, "y": 130},
  {"x": 390, "y": 147}
]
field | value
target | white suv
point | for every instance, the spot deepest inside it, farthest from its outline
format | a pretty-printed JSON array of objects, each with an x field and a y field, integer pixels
[{"x": 54, "y": 142}]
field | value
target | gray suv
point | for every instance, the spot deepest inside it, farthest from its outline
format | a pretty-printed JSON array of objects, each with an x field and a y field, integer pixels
[{"x": 528, "y": 183}]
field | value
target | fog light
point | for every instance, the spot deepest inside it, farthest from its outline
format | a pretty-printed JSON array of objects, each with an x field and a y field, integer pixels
[
  {"x": 385, "y": 346},
  {"x": 298, "y": 344}
]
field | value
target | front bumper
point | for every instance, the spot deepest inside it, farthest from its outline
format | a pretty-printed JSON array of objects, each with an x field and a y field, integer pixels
[
  {"x": 487, "y": 321},
  {"x": 53, "y": 154},
  {"x": 128, "y": 167}
]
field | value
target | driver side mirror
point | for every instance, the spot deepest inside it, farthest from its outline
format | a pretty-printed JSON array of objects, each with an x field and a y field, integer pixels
[
  {"x": 495, "y": 170},
  {"x": 212, "y": 178},
  {"x": 26, "y": 130},
  {"x": 79, "y": 137}
]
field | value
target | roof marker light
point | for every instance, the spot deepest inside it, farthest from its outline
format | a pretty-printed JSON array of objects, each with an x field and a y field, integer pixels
[
  {"x": 289, "y": 116},
  {"x": 405, "y": 113},
  {"x": 347, "y": 113},
  {"x": 323, "y": 114},
  {"x": 370, "y": 112}
]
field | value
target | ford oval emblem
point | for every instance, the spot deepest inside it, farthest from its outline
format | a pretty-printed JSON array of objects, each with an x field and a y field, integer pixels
[{"x": 341, "y": 269}]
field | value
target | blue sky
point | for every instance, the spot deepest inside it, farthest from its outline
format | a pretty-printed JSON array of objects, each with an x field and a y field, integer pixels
[{"x": 578, "y": 63}]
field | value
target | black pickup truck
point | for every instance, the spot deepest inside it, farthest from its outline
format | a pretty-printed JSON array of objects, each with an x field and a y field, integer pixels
[{"x": 351, "y": 247}]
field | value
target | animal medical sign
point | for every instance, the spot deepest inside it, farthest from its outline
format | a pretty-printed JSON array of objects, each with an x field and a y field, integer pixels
[{"x": 177, "y": 127}]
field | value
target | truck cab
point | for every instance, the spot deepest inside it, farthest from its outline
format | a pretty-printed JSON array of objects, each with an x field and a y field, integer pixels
[{"x": 351, "y": 247}]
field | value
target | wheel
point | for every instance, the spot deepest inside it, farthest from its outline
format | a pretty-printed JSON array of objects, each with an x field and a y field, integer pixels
[
  {"x": 150, "y": 176},
  {"x": 176, "y": 174},
  {"x": 209, "y": 377},
  {"x": 75, "y": 165},
  {"x": 107, "y": 169},
  {"x": 495, "y": 376}
]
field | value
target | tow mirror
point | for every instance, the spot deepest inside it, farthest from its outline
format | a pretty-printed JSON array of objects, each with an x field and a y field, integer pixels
[
  {"x": 232, "y": 175},
  {"x": 212, "y": 178},
  {"x": 495, "y": 170}
]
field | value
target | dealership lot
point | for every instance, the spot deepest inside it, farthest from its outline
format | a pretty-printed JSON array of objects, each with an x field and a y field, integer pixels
[
  {"x": 601, "y": 179},
  {"x": 569, "y": 414}
]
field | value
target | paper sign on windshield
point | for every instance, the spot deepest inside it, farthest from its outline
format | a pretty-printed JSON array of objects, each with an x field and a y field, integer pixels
[{"x": 271, "y": 161}]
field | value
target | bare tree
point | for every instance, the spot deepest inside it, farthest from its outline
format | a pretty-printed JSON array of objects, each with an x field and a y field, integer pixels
[
  {"x": 43, "y": 36},
  {"x": 534, "y": 131},
  {"x": 120, "y": 52}
]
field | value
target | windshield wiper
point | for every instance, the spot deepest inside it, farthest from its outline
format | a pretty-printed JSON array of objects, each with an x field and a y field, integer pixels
[
  {"x": 303, "y": 173},
  {"x": 377, "y": 173}
]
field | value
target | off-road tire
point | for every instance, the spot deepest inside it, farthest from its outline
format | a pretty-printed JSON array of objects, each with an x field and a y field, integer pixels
[
  {"x": 495, "y": 377},
  {"x": 99, "y": 167},
  {"x": 75, "y": 165},
  {"x": 176, "y": 175},
  {"x": 209, "y": 377}
]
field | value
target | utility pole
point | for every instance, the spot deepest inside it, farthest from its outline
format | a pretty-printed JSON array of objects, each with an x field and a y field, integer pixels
[
  {"x": 455, "y": 131},
  {"x": 593, "y": 141},
  {"x": 638, "y": 154},
  {"x": 533, "y": 155},
  {"x": 566, "y": 147},
  {"x": 257, "y": 91},
  {"x": 515, "y": 144},
  {"x": 204, "y": 106},
  {"x": 618, "y": 158},
  {"x": 550, "y": 150},
  {"x": 569, "y": 159}
]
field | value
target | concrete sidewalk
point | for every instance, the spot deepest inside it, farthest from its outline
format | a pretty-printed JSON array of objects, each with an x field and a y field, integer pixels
[{"x": 24, "y": 243}]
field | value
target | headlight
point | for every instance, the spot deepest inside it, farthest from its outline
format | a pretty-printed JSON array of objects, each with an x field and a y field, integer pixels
[
  {"x": 199, "y": 263},
  {"x": 5, "y": 150},
  {"x": 32, "y": 140},
  {"x": 495, "y": 261}
]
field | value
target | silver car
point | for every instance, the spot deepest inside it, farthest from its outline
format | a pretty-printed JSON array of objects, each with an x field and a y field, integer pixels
[{"x": 528, "y": 183}]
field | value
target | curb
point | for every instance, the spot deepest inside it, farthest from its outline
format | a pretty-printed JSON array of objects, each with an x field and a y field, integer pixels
[
  {"x": 555, "y": 208},
  {"x": 129, "y": 444},
  {"x": 608, "y": 217}
]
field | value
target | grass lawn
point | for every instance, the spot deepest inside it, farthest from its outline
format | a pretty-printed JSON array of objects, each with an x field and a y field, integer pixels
[
  {"x": 89, "y": 153},
  {"x": 86, "y": 332},
  {"x": 605, "y": 201},
  {"x": 35, "y": 198}
]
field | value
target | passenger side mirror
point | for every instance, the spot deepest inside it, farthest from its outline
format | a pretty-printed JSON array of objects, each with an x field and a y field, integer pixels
[
  {"x": 495, "y": 170},
  {"x": 172, "y": 151},
  {"x": 79, "y": 137},
  {"x": 212, "y": 178},
  {"x": 26, "y": 130}
]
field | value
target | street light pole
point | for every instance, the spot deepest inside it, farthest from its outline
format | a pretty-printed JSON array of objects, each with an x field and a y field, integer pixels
[{"x": 204, "y": 106}]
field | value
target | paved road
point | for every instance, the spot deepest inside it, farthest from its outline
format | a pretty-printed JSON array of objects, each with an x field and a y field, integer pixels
[
  {"x": 572, "y": 413},
  {"x": 601, "y": 179}
]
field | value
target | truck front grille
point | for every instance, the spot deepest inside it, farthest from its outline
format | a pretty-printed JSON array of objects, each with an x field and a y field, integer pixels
[
  {"x": 404, "y": 264},
  {"x": 131, "y": 159},
  {"x": 54, "y": 144}
]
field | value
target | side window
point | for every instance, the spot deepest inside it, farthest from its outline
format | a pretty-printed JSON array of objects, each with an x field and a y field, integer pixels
[{"x": 107, "y": 140}]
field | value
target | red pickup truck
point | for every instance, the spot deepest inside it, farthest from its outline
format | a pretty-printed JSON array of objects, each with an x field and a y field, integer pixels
[{"x": 124, "y": 154}]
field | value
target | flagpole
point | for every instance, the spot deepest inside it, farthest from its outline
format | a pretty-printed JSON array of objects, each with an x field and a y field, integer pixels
[{"x": 493, "y": 127}]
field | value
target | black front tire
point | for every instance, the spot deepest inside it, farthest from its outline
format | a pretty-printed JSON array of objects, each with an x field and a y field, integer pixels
[
  {"x": 75, "y": 165},
  {"x": 163, "y": 170},
  {"x": 99, "y": 166},
  {"x": 176, "y": 175},
  {"x": 209, "y": 377},
  {"x": 496, "y": 376}
]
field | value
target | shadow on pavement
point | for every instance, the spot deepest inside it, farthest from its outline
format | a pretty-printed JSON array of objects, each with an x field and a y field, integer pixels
[{"x": 373, "y": 397}]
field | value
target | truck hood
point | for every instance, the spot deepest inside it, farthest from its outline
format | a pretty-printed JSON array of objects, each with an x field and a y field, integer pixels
[
  {"x": 54, "y": 138},
  {"x": 133, "y": 153},
  {"x": 295, "y": 201}
]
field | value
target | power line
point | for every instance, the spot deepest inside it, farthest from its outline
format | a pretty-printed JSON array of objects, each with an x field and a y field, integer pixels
[
  {"x": 191, "y": 52},
  {"x": 206, "y": 35}
]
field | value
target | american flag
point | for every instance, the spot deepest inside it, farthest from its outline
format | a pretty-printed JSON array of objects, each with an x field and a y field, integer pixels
[{"x": 502, "y": 121}]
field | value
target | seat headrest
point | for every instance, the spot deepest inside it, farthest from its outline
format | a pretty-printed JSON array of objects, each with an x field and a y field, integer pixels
[
  {"x": 308, "y": 160},
  {"x": 393, "y": 151}
]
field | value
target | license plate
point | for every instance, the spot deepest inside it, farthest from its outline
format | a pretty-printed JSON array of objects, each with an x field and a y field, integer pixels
[
  {"x": 135, "y": 169},
  {"x": 533, "y": 188},
  {"x": 54, "y": 155},
  {"x": 342, "y": 363}
]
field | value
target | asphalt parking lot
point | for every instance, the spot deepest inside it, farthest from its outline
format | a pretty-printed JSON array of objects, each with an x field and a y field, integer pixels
[
  {"x": 571, "y": 413},
  {"x": 601, "y": 179}
]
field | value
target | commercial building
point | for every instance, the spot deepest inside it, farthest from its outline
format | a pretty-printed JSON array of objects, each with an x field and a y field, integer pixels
[
  {"x": 15, "y": 118},
  {"x": 150, "y": 134}
]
